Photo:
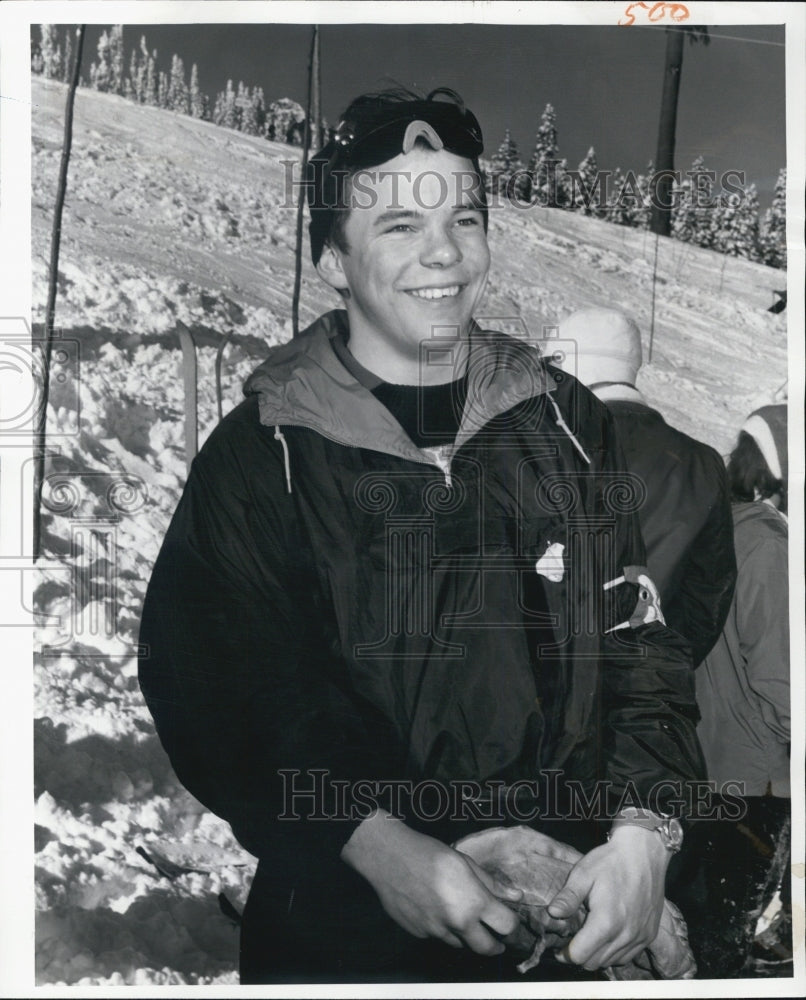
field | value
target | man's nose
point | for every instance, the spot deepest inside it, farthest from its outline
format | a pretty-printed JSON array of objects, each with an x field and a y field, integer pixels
[{"x": 441, "y": 249}]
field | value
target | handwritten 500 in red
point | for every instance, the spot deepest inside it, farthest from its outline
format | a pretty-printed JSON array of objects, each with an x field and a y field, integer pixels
[{"x": 658, "y": 12}]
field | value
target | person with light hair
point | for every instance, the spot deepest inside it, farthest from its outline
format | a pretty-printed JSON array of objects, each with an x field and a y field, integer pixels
[{"x": 685, "y": 513}]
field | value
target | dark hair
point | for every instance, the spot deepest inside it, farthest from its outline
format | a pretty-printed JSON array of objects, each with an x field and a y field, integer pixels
[
  {"x": 749, "y": 475},
  {"x": 330, "y": 170}
]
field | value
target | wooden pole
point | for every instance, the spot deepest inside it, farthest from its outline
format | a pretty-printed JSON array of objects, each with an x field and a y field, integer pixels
[
  {"x": 219, "y": 355},
  {"x": 190, "y": 383},
  {"x": 50, "y": 309},
  {"x": 317, "y": 140},
  {"x": 301, "y": 203},
  {"x": 660, "y": 214},
  {"x": 654, "y": 282}
]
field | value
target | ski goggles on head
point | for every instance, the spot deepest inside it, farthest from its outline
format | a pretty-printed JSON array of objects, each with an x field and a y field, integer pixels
[{"x": 441, "y": 124}]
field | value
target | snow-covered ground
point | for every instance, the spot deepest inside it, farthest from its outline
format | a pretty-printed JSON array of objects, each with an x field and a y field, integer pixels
[{"x": 169, "y": 219}]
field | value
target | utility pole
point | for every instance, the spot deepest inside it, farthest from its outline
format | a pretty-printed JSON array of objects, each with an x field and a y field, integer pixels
[
  {"x": 306, "y": 145},
  {"x": 50, "y": 309}
]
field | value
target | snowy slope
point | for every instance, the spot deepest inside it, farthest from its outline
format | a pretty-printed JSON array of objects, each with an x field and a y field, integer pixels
[{"x": 171, "y": 219}]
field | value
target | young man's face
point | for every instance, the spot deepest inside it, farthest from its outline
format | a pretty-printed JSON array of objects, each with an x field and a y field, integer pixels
[{"x": 417, "y": 256}]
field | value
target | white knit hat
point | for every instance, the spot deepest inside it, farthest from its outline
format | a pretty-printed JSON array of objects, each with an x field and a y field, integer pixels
[
  {"x": 767, "y": 427},
  {"x": 608, "y": 345}
]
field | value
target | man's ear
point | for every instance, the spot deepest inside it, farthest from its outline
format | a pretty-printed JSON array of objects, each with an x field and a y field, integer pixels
[{"x": 330, "y": 269}]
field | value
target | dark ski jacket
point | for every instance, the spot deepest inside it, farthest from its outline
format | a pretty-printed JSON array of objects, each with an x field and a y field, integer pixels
[
  {"x": 743, "y": 685},
  {"x": 331, "y": 598},
  {"x": 685, "y": 519}
]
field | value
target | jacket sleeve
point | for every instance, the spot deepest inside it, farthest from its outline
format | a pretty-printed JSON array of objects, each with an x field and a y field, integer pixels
[
  {"x": 762, "y": 617},
  {"x": 706, "y": 586},
  {"x": 239, "y": 685},
  {"x": 649, "y": 714}
]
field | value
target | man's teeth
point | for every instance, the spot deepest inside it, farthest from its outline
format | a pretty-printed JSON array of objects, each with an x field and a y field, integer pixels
[{"x": 435, "y": 293}]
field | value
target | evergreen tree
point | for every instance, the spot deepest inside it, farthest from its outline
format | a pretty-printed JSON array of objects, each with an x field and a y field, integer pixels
[
  {"x": 258, "y": 111},
  {"x": 285, "y": 121},
  {"x": 162, "y": 90},
  {"x": 230, "y": 110},
  {"x": 253, "y": 112},
  {"x": 141, "y": 80},
  {"x": 772, "y": 241},
  {"x": 116, "y": 59},
  {"x": 101, "y": 71},
  {"x": 68, "y": 56},
  {"x": 196, "y": 98},
  {"x": 37, "y": 63},
  {"x": 243, "y": 100},
  {"x": 643, "y": 210},
  {"x": 218, "y": 108},
  {"x": 177, "y": 88},
  {"x": 693, "y": 204},
  {"x": 151, "y": 81},
  {"x": 616, "y": 210},
  {"x": 134, "y": 71},
  {"x": 588, "y": 187},
  {"x": 50, "y": 52},
  {"x": 544, "y": 186},
  {"x": 736, "y": 224},
  {"x": 506, "y": 175}
]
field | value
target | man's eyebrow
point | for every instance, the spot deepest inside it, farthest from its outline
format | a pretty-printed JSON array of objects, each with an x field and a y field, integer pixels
[
  {"x": 468, "y": 206},
  {"x": 394, "y": 215}
]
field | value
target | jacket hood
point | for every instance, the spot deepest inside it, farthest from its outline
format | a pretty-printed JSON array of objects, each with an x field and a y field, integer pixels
[
  {"x": 302, "y": 383},
  {"x": 761, "y": 513}
]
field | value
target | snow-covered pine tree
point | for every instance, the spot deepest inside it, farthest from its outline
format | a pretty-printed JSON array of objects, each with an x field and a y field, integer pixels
[
  {"x": 133, "y": 71},
  {"x": 693, "y": 205},
  {"x": 177, "y": 88},
  {"x": 625, "y": 204},
  {"x": 588, "y": 187},
  {"x": 545, "y": 184},
  {"x": 101, "y": 71},
  {"x": 243, "y": 101},
  {"x": 37, "y": 63},
  {"x": 230, "y": 110},
  {"x": 615, "y": 210},
  {"x": 250, "y": 106},
  {"x": 285, "y": 121},
  {"x": 195, "y": 96},
  {"x": 151, "y": 80},
  {"x": 50, "y": 52},
  {"x": 772, "y": 240},
  {"x": 641, "y": 213},
  {"x": 736, "y": 224},
  {"x": 162, "y": 90},
  {"x": 506, "y": 175},
  {"x": 140, "y": 79},
  {"x": 67, "y": 62},
  {"x": 258, "y": 110},
  {"x": 218, "y": 108},
  {"x": 116, "y": 59}
]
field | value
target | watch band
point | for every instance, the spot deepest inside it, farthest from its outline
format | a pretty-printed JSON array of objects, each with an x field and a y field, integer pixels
[{"x": 668, "y": 828}]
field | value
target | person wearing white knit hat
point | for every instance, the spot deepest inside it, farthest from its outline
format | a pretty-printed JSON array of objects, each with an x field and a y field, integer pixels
[
  {"x": 685, "y": 516},
  {"x": 743, "y": 685},
  {"x": 749, "y": 479}
]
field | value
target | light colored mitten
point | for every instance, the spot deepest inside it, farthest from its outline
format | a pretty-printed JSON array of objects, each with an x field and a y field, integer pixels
[{"x": 539, "y": 866}]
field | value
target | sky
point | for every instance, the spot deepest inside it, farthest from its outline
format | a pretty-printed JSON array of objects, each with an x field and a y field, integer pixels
[{"x": 604, "y": 82}]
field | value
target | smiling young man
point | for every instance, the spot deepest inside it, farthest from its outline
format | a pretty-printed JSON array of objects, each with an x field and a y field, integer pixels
[{"x": 400, "y": 595}]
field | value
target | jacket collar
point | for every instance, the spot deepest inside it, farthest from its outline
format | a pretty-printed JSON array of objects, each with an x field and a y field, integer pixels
[{"x": 302, "y": 383}]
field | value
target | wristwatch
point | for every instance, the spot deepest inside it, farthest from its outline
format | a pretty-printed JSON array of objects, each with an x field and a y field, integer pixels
[{"x": 667, "y": 827}]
